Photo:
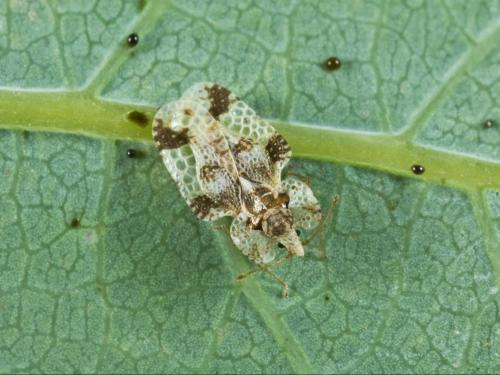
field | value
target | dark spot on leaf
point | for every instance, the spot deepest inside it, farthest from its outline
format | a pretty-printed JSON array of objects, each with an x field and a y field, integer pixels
[
  {"x": 392, "y": 205},
  {"x": 417, "y": 169},
  {"x": 332, "y": 63},
  {"x": 488, "y": 124},
  {"x": 327, "y": 297},
  {"x": 132, "y": 153},
  {"x": 75, "y": 223},
  {"x": 132, "y": 40},
  {"x": 297, "y": 231},
  {"x": 141, "y": 4},
  {"x": 137, "y": 117},
  {"x": 280, "y": 245}
]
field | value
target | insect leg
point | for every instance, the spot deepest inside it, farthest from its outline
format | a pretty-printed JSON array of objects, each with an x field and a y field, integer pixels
[
  {"x": 283, "y": 283},
  {"x": 319, "y": 229},
  {"x": 242, "y": 276},
  {"x": 265, "y": 269},
  {"x": 261, "y": 268}
]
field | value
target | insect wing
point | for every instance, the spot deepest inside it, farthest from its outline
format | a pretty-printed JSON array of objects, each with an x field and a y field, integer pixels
[
  {"x": 253, "y": 243},
  {"x": 260, "y": 152},
  {"x": 188, "y": 148},
  {"x": 303, "y": 204}
]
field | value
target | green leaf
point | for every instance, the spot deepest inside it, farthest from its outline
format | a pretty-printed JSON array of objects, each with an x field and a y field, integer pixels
[{"x": 103, "y": 268}]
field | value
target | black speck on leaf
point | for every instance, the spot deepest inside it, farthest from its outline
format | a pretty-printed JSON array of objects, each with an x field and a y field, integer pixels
[
  {"x": 132, "y": 40},
  {"x": 332, "y": 63},
  {"x": 488, "y": 124},
  {"x": 417, "y": 169},
  {"x": 133, "y": 153},
  {"x": 139, "y": 118}
]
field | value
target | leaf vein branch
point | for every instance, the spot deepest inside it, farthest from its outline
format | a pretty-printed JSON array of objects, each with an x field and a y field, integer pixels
[
  {"x": 119, "y": 52},
  {"x": 471, "y": 58}
]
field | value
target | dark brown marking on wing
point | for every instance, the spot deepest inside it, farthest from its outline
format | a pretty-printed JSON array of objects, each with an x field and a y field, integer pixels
[
  {"x": 219, "y": 144},
  {"x": 219, "y": 100},
  {"x": 188, "y": 112},
  {"x": 230, "y": 197},
  {"x": 249, "y": 199},
  {"x": 221, "y": 187},
  {"x": 208, "y": 172},
  {"x": 202, "y": 204},
  {"x": 167, "y": 138},
  {"x": 244, "y": 144},
  {"x": 213, "y": 126},
  {"x": 277, "y": 148},
  {"x": 217, "y": 140},
  {"x": 255, "y": 171}
]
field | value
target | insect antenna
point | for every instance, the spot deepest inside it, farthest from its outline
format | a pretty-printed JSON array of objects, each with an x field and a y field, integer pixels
[{"x": 283, "y": 283}]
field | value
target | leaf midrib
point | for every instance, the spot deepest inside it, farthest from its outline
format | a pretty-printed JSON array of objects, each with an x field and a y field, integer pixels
[
  {"x": 272, "y": 318},
  {"x": 75, "y": 112}
]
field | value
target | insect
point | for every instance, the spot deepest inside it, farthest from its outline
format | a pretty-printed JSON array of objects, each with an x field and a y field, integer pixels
[{"x": 227, "y": 161}]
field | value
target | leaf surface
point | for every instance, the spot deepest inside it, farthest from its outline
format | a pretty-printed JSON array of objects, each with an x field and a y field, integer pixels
[{"x": 103, "y": 268}]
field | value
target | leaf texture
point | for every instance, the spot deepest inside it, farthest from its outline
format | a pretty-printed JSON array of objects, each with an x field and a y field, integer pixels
[{"x": 103, "y": 268}]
